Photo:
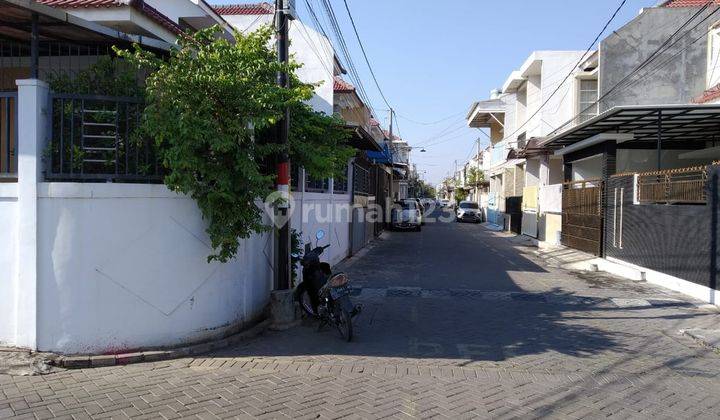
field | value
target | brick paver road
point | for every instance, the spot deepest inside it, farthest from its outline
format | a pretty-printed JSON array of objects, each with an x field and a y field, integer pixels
[{"x": 459, "y": 322}]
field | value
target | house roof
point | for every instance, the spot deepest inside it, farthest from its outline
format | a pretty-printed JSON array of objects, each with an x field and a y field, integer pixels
[
  {"x": 341, "y": 86},
  {"x": 688, "y": 3},
  {"x": 263, "y": 8},
  {"x": 709, "y": 95},
  {"x": 140, "y": 6}
]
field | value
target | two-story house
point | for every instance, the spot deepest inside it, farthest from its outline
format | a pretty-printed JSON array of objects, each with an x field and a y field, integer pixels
[
  {"x": 642, "y": 186},
  {"x": 531, "y": 104}
]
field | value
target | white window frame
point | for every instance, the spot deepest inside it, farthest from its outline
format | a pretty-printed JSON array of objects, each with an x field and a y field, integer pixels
[
  {"x": 712, "y": 75},
  {"x": 591, "y": 75}
]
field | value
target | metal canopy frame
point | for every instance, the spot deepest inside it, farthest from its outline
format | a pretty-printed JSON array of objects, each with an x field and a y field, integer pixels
[{"x": 686, "y": 124}]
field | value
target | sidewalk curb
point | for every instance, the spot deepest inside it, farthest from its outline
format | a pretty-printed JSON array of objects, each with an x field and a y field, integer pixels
[
  {"x": 705, "y": 337},
  {"x": 105, "y": 360}
]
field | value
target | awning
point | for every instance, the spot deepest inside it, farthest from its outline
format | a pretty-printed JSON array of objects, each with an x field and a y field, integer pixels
[
  {"x": 362, "y": 140},
  {"x": 533, "y": 148},
  {"x": 684, "y": 124},
  {"x": 382, "y": 157},
  {"x": 484, "y": 113}
]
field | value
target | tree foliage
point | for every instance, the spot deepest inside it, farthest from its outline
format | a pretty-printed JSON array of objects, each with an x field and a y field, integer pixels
[
  {"x": 460, "y": 195},
  {"x": 475, "y": 176},
  {"x": 210, "y": 107},
  {"x": 107, "y": 76}
]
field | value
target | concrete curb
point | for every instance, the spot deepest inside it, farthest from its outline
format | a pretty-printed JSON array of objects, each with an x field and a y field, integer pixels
[
  {"x": 705, "y": 337},
  {"x": 105, "y": 360}
]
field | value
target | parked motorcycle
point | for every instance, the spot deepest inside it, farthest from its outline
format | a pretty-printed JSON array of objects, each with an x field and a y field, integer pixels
[{"x": 323, "y": 295}]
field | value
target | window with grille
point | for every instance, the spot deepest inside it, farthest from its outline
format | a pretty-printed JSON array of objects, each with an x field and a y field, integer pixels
[{"x": 361, "y": 180}]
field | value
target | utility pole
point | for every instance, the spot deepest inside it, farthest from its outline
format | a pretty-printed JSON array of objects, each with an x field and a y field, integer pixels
[
  {"x": 283, "y": 160},
  {"x": 392, "y": 159},
  {"x": 281, "y": 300},
  {"x": 477, "y": 174}
]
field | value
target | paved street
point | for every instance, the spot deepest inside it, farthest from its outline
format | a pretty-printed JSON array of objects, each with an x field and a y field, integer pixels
[{"x": 458, "y": 322}]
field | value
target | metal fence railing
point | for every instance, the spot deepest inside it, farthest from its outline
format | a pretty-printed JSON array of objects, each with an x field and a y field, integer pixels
[
  {"x": 673, "y": 186},
  {"x": 340, "y": 185},
  {"x": 316, "y": 185},
  {"x": 582, "y": 197},
  {"x": 8, "y": 136},
  {"x": 98, "y": 139}
]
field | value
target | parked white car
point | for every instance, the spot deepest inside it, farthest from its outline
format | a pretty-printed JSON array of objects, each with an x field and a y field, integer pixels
[
  {"x": 406, "y": 214},
  {"x": 468, "y": 212},
  {"x": 445, "y": 203}
]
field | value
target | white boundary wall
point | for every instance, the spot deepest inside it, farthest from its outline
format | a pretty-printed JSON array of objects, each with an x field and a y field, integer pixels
[
  {"x": 124, "y": 266},
  {"x": 109, "y": 268},
  {"x": 329, "y": 212},
  {"x": 8, "y": 262},
  {"x": 103, "y": 268}
]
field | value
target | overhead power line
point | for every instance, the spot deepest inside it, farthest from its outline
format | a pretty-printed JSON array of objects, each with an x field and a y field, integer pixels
[
  {"x": 572, "y": 70},
  {"x": 367, "y": 61},
  {"x": 341, "y": 46},
  {"x": 626, "y": 81},
  {"x": 434, "y": 122}
]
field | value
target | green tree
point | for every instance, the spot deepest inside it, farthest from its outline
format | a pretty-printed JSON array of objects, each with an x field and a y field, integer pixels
[
  {"x": 475, "y": 176},
  {"x": 460, "y": 195},
  {"x": 210, "y": 106}
]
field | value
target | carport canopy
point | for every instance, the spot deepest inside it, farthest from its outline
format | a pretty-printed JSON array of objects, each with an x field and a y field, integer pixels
[{"x": 689, "y": 126}]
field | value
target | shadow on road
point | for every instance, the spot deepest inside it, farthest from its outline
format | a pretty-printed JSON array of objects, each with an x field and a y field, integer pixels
[{"x": 491, "y": 327}]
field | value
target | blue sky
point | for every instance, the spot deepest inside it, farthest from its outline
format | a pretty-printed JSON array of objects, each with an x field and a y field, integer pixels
[{"x": 433, "y": 58}]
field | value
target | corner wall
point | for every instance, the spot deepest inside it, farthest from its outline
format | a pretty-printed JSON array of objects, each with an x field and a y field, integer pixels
[{"x": 124, "y": 266}]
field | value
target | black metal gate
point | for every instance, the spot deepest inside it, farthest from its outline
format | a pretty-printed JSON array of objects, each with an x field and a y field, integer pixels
[
  {"x": 582, "y": 216},
  {"x": 513, "y": 208}
]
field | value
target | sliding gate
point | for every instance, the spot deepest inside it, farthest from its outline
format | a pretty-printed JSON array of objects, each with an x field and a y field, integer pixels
[{"x": 582, "y": 216}]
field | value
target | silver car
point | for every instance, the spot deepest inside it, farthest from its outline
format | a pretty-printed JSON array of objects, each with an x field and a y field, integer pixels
[
  {"x": 468, "y": 211},
  {"x": 406, "y": 214}
]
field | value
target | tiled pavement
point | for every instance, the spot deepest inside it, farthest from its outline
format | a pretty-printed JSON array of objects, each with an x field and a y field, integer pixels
[{"x": 458, "y": 323}]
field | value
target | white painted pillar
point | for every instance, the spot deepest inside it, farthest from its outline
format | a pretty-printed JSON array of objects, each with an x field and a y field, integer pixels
[
  {"x": 544, "y": 171},
  {"x": 32, "y": 128}
]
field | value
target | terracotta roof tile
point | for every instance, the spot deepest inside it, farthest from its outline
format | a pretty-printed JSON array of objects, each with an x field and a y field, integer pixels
[
  {"x": 263, "y": 8},
  {"x": 340, "y": 85},
  {"x": 688, "y": 3},
  {"x": 141, "y": 6},
  {"x": 84, "y": 3},
  {"x": 709, "y": 95}
]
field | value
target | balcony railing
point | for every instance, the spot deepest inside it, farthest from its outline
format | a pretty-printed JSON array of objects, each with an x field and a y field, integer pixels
[
  {"x": 8, "y": 136},
  {"x": 673, "y": 186},
  {"x": 98, "y": 139}
]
